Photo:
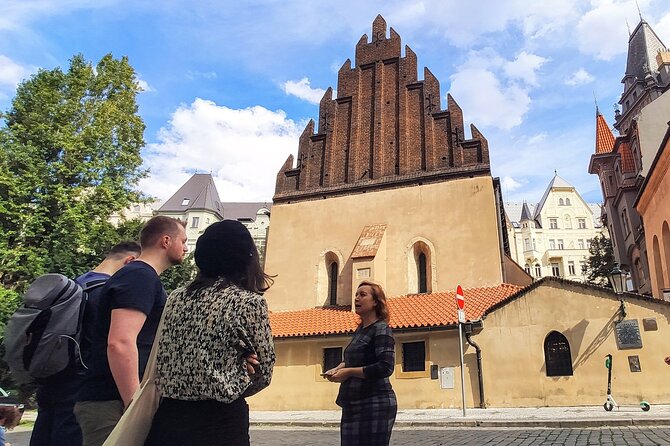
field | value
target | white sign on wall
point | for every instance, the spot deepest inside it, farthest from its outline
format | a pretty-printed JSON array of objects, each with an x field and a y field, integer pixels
[{"x": 447, "y": 377}]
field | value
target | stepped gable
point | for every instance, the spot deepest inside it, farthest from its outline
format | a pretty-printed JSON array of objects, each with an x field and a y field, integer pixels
[{"x": 385, "y": 129}]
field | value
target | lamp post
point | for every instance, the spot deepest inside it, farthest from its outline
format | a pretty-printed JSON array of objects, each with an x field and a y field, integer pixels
[{"x": 618, "y": 280}]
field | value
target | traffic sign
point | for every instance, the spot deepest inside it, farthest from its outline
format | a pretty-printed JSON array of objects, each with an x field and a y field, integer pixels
[
  {"x": 461, "y": 316},
  {"x": 460, "y": 300}
]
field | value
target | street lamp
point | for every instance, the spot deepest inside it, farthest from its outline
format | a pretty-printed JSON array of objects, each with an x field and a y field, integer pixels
[{"x": 617, "y": 279}]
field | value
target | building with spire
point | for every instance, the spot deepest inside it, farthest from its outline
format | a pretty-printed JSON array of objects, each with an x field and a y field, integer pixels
[
  {"x": 552, "y": 237},
  {"x": 622, "y": 163},
  {"x": 388, "y": 187}
]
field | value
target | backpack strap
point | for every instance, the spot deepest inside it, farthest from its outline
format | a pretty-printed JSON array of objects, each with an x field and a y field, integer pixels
[{"x": 94, "y": 284}]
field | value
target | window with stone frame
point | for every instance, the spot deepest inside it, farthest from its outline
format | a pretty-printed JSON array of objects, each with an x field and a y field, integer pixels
[
  {"x": 538, "y": 270},
  {"x": 553, "y": 223},
  {"x": 625, "y": 222},
  {"x": 552, "y": 244},
  {"x": 414, "y": 356},
  {"x": 580, "y": 243},
  {"x": 581, "y": 222},
  {"x": 571, "y": 268},
  {"x": 567, "y": 202},
  {"x": 557, "y": 357},
  {"x": 555, "y": 270},
  {"x": 560, "y": 243},
  {"x": 332, "y": 357},
  {"x": 195, "y": 222},
  {"x": 526, "y": 268},
  {"x": 332, "y": 283}
]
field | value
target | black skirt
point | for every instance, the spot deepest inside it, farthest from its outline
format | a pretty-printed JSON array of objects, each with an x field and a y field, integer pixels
[
  {"x": 368, "y": 422},
  {"x": 199, "y": 423}
]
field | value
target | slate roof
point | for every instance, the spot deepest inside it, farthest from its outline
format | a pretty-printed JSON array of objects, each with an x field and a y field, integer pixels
[
  {"x": 643, "y": 45},
  {"x": 199, "y": 192},
  {"x": 408, "y": 311},
  {"x": 243, "y": 211}
]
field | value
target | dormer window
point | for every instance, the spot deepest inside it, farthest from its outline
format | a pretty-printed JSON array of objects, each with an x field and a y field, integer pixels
[{"x": 185, "y": 202}]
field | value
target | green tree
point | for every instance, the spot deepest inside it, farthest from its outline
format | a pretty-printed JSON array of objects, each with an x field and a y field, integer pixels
[
  {"x": 600, "y": 262},
  {"x": 179, "y": 275},
  {"x": 69, "y": 157}
]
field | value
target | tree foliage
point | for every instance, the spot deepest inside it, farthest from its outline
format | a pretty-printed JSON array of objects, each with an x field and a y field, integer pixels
[
  {"x": 600, "y": 262},
  {"x": 179, "y": 275},
  {"x": 69, "y": 158}
]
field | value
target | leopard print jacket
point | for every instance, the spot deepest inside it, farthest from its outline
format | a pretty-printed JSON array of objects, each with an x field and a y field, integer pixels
[{"x": 205, "y": 338}]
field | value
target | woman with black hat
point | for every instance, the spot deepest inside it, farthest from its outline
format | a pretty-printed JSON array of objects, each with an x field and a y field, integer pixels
[{"x": 214, "y": 328}]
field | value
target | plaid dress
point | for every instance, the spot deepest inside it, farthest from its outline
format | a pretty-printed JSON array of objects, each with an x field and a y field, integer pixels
[{"x": 369, "y": 405}]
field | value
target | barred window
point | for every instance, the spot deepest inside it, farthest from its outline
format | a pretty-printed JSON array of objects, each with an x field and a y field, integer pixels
[
  {"x": 332, "y": 357},
  {"x": 413, "y": 356},
  {"x": 557, "y": 356}
]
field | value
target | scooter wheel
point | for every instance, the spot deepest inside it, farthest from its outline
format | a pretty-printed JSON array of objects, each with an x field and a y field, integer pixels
[
  {"x": 608, "y": 406},
  {"x": 645, "y": 406}
]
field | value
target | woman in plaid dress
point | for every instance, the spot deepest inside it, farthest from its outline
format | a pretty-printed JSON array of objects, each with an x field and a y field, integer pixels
[{"x": 367, "y": 399}]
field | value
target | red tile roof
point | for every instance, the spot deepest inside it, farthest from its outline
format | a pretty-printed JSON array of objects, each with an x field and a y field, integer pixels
[
  {"x": 410, "y": 311},
  {"x": 369, "y": 241},
  {"x": 627, "y": 162},
  {"x": 604, "y": 136}
]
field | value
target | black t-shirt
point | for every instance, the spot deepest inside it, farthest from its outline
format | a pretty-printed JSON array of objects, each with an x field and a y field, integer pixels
[{"x": 135, "y": 286}]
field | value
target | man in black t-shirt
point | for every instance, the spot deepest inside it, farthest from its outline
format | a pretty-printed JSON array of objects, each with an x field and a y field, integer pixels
[
  {"x": 131, "y": 305},
  {"x": 56, "y": 424}
]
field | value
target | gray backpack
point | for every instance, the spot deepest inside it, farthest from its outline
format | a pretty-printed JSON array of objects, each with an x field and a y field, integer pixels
[{"x": 42, "y": 336}]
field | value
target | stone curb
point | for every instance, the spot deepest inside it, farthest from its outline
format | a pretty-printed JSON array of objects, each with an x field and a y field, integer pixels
[{"x": 600, "y": 422}]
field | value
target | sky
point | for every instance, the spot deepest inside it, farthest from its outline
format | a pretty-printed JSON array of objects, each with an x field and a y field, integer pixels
[{"x": 230, "y": 85}]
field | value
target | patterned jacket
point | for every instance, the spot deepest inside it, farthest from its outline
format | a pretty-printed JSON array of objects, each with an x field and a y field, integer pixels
[{"x": 206, "y": 336}]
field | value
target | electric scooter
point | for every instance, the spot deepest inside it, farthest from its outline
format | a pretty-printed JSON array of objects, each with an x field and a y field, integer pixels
[{"x": 609, "y": 402}]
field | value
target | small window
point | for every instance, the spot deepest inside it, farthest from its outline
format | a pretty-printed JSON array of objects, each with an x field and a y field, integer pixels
[
  {"x": 527, "y": 268},
  {"x": 423, "y": 276},
  {"x": 332, "y": 284},
  {"x": 555, "y": 270},
  {"x": 332, "y": 357},
  {"x": 571, "y": 268},
  {"x": 560, "y": 244},
  {"x": 561, "y": 202},
  {"x": 582, "y": 223},
  {"x": 567, "y": 202},
  {"x": 185, "y": 202},
  {"x": 557, "y": 356},
  {"x": 538, "y": 270},
  {"x": 552, "y": 244},
  {"x": 526, "y": 244},
  {"x": 580, "y": 243},
  {"x": 195, "y": 222},
  {"x": 553, "y": 223},
  {"x": 413, "y": 356}
]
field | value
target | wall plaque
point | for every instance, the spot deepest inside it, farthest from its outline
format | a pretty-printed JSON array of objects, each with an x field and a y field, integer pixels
[
  {"x": 634, "y": 363},
  {"x": 649, "y": 324},
  {"x": 628, "y": 334}
]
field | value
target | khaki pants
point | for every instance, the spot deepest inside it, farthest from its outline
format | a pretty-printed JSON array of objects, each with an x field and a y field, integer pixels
[{"x": 97, "y": 419}]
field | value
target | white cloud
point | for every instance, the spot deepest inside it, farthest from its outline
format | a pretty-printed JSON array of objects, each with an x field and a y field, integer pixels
[
  {"x": 580, "y": 77},
  {"x": 243, "y": 148},
  {"x": 193, "y": 75},
  {"x": 487, "y": 88},
  {"x": 509, "y": 184},
  {"x": 11, "y": 73},
  {"x": 144, "y": 85},
  {"x": 524, "y": 67},
  {"x": 303, "y": 90},
  {"x": 536, "y": 139},
  {"x": 602, "y": 32}
]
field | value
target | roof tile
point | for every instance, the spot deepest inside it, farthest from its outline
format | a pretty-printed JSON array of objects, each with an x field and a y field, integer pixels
[
  {"x": 604, "y": 136},
  {"x": 409, "y": 311}
]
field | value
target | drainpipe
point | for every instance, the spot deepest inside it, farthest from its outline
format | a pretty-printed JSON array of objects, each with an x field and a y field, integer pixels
[{"x": 480, "y": 378}]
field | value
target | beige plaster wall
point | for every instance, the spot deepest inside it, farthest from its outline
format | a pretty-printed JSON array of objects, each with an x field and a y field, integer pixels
[
  {"x": 513, "y": 350},
  {"x": 466, "y": 242},
  {"x": 512, "y": 344}
]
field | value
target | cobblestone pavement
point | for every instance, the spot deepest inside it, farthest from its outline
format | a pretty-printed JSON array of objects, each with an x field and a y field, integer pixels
[{"x": 455, "y": 436}]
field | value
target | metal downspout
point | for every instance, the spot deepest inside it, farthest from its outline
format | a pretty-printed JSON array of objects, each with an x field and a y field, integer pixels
[{"x": 480, "y": 378}]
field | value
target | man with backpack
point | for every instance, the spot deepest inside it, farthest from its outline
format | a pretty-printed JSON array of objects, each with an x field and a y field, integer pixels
[
  {"x": 131, "y": 305},
  {"x": 56, "y": 424}
]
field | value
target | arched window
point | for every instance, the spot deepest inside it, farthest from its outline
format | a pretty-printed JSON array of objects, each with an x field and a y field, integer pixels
[
  {"x": 538, "y": 270},
  {"x": 557, "y": 358},
  {"x": 527, "y": 268},
  {"x": 658, "y": 267},
  {"x": 332, "y": 284},
  {"x": 560, "y": 202},
  {"x": 666, "y": 249},
  {"x": 567, "y": 202},
  {"x": 423, "y": 276}
]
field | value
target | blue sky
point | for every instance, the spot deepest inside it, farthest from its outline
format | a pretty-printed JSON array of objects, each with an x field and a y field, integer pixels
[{"x": 229, "y": 86}]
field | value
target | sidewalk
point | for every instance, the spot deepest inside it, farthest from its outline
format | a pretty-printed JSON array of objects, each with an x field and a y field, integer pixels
[{"x": 574, "y": 417}]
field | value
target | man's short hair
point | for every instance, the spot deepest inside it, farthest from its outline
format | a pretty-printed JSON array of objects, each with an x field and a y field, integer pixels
[
  {"x": 123, "y": 248},
  {"x": 157, "y": 227}
]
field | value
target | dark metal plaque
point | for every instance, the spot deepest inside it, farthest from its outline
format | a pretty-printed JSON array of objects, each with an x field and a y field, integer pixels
[
  {"x": 649, "y": 324},
  {"x": 628, "y": 334},
  {"x": 634, "y": 363}
]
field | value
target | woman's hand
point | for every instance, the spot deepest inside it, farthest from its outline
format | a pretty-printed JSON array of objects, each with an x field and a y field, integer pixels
[
  {"x": 338, "y": 375},
  {"x": 252, "y": 363}
]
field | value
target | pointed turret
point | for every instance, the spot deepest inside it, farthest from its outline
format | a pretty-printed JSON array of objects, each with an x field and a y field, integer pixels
[
  {"x": 526, "y": 214},
  {"x": 643, "y": 45},
  {"x": 604, "y": 136}
]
